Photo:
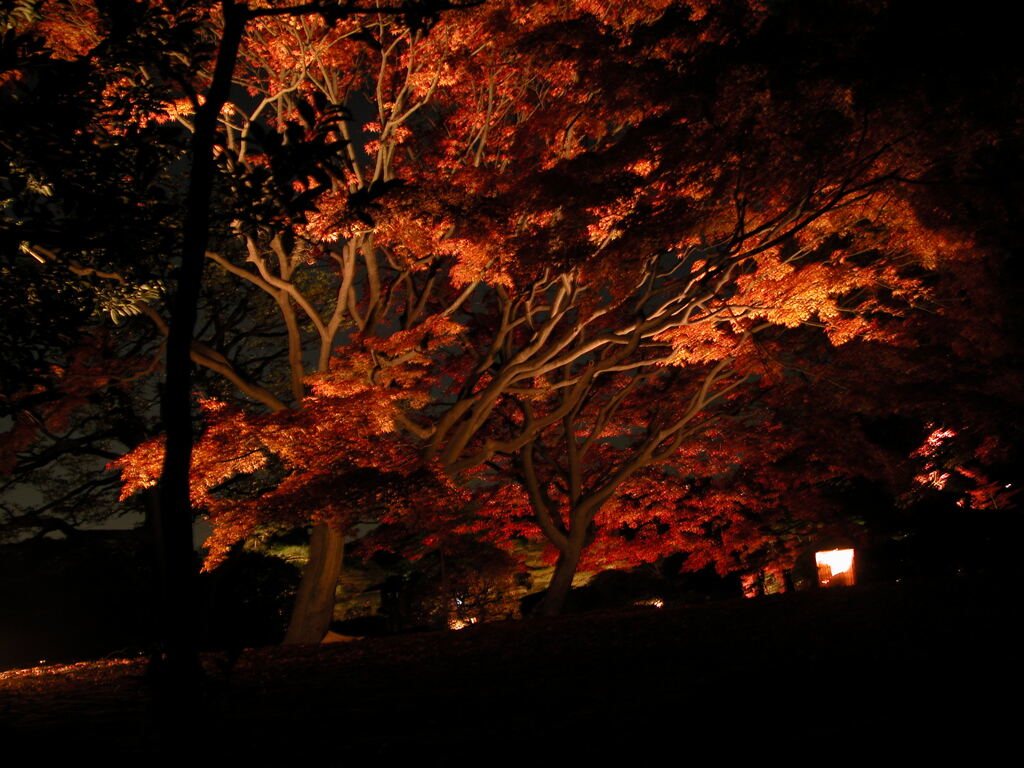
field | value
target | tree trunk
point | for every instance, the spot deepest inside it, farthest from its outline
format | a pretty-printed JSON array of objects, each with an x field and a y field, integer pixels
[
  {"x": 314, "y": 603},
  {"x": 176, "y": 565},
  {"x": 561, "y": 581}
]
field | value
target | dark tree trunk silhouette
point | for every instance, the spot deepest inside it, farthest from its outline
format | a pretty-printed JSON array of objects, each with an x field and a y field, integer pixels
[{"x": 174, "y": 516}]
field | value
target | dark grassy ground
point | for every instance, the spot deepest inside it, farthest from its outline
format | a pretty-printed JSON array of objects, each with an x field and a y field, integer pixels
[{"x": 888, "y": 667}]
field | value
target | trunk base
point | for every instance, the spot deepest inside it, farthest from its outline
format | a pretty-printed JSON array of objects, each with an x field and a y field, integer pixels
[
  {"x": 314, "y": 603},
  {"x": 561, "y": 582}
]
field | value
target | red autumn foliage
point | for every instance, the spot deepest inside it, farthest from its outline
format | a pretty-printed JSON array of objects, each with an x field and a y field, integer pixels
[
  {"x": 547, "y": 255},
  {"x": 63, "y": 390}
]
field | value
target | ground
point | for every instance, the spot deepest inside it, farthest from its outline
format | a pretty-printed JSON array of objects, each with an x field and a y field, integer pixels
[{"x": 904, "y": 666}]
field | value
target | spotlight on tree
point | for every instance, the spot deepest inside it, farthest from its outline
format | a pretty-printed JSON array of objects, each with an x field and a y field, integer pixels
[{"x": 835, "y": 567}]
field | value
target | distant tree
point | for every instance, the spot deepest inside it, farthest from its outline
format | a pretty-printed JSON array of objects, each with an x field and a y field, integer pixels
[{"x": 74, "y": 192}]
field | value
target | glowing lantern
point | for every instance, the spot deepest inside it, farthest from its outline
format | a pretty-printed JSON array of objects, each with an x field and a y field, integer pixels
[{"x": 835, "y": 567}]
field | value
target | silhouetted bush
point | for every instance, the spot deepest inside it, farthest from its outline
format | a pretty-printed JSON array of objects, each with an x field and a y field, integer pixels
[{"x": 79, "y": 598}]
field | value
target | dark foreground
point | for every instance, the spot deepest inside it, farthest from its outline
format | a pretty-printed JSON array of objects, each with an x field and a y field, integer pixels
[{"x": 899, "y": 668}]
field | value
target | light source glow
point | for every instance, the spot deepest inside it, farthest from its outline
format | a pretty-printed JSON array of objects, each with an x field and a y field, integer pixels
[
  {"x": 835, "y": 567},
  {"x": 655, "y": 602}
]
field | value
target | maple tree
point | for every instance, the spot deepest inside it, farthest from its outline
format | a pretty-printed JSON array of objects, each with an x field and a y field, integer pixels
[
  {"x": 576, "y": 393},
  {"x": 138, "y": 88},
  {"x": 130, "y": 105},
  {"x": 497, "y": 258}
]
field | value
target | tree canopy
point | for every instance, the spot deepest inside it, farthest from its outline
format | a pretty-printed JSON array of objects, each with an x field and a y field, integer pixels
[{"x": 608, "y": 275}]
